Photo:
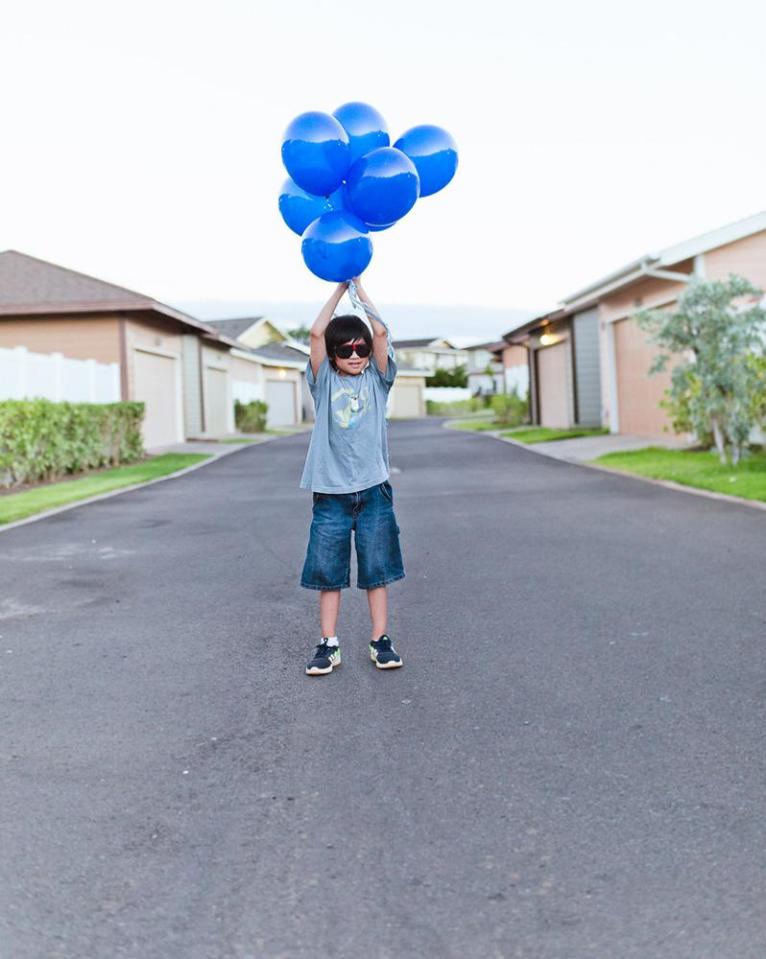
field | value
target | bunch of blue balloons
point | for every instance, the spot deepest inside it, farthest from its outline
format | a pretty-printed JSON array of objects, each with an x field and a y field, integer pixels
[{"x": 346, "y": 181}]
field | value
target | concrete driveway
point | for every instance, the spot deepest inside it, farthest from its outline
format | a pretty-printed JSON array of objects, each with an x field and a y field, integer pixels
[{"x": 570, "y": 763}]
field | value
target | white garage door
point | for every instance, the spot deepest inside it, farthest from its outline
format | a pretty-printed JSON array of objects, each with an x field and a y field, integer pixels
[
  {"x": 155, "y": 385},
  {"x": 216, "y": 406},
  {"x": 280, "y": 396},
  {"x": 406, "y": 400}
]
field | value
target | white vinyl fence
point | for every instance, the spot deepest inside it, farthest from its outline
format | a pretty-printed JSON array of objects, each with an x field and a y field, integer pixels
[
  {"x": 447, "y": 394},
  {"x": 51, "y": 376}
]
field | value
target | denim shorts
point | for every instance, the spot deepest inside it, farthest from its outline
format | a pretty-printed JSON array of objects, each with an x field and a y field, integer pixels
[{"x": 370, "y": 514}]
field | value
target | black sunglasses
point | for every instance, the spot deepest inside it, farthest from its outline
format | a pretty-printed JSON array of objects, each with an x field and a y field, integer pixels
[{"x": 344, "y": 352}]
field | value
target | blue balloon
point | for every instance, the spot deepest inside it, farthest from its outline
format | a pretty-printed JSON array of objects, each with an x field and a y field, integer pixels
[
  {"x": 434, "y": 153},
  {"x": 382, "y": 186},
  {"x": 365, "y": 127},
  {"x": 336, "y": 246},
  {"x": 299, "y": 208},
  {"x": 316, "y": 152},
  {"x": 337, "y": 199}
]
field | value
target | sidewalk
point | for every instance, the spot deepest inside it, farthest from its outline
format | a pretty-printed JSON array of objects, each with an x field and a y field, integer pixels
[
  {"x": 584, "y": 448},
  {"x": 225, "y": 445}
]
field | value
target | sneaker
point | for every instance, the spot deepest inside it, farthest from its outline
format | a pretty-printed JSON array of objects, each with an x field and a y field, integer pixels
[
  {"x": 325, "y": 658},
  {"x": 383, "y": 654}
]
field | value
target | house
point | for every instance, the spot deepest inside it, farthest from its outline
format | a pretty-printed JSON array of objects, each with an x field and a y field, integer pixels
[
  {"x": 629, "y": 396},
  {"x": 430, "y": 354},
  {"x": 407, "y": 399},
  {"x": 485, "y": 368},
  {"x": 515, "y": 368},
  {"x": 588, "y": 360},
  {"x": 560, "y": 350},
  {"x": 268, "y": 365},
  {"x": 178, "y": 366}
]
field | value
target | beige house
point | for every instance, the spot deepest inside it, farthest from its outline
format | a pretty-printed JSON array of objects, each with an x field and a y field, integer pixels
[
  {"x": 268, "y": 365},
  {"x": 588, "y": 360},
  {"x": 485, "y": 370},
  {"x": 407, "y": 397},
  {"x": 561, "y": 350},
  {"x": 515, "y": 368},
  {"x": 178, "y": 366},
  {"x": 629, "y": 396},
  {"x": 430, "y": 354}
]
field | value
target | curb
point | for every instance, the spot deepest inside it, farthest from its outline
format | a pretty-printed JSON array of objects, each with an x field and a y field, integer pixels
[
  {"x": 212, "y": 457},
  {"x": 667, "y": 484}
]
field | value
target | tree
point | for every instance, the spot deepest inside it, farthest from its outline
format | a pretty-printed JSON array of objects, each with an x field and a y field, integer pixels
[
  {"x": 717, "y": 390},
  {"x": 453, "y": 377},
  {"x": 300, "y": 333}
]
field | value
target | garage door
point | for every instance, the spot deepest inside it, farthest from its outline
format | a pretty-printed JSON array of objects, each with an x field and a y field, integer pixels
[
  {"x": 406, "y": 400},
  {"x": 553, "y": 389},
  {"x": 638, "y": 394},
  {"x": 280, "y": 396},
  {"x": 154, "y": 381},
  {"x": 216, "y": 406}
]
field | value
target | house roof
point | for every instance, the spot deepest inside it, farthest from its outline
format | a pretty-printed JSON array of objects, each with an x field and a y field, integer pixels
[
  {"x": 30, "y": 287},
  {"x": 517, "y": 335},
  {"x": 667, "y": 257},
  {"x": 408, "y": 344},
  {"x": 421, "y": 343},
  {"x": 493, "y": 346},
  {"x": 277, "y": 352},
  {"x": 236, "y": 326},
  {"x": 659, "y": 263}
]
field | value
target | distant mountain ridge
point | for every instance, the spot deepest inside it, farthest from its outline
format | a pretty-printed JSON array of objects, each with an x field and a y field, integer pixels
[{"x": 465, "y": 324}]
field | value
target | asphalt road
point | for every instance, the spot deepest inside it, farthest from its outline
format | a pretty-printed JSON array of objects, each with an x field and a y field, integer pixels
[{"x": 570, "y": 764}]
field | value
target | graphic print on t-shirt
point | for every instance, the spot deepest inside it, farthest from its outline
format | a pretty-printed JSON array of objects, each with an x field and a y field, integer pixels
[{"x": 348, "y": 406}]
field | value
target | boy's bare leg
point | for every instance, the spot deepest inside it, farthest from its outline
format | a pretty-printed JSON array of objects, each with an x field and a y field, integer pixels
[
  {"x": 329, "y": 607},
  {"x": 378, "y": 602}
]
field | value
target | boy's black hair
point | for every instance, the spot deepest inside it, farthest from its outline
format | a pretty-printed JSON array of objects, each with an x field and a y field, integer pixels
[{"x": 343, "y": 328}]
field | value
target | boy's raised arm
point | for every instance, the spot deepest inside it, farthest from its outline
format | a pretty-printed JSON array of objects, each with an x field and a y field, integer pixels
[
  {"x": 380, "y": 344},
  {"x": 318, "y": 349}
]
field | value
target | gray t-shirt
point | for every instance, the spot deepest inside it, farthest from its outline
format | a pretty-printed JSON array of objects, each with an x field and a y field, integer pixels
[{"x": 349, "y": 443}]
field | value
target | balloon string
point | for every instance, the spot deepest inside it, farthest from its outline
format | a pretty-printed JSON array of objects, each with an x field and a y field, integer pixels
[
  {"x": 354, "y": 297},
  {"x": 358, "y": 305},
  {"x": 369, "y": 313}
]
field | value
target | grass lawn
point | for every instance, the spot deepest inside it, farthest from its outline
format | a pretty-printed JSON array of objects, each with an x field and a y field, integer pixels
[
  {"x": 542, "y": 434},
  {"x": 478, "y": 424},
  {"x": 14, "y": 506},
  {"x": 694, "y": 468}
]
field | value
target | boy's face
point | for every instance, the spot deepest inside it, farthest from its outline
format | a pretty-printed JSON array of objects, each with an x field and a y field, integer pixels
[{"x": 355, "y": 364}]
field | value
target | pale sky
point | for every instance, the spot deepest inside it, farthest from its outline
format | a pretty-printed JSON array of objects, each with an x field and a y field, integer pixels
[{"x": 141, "y": 141}]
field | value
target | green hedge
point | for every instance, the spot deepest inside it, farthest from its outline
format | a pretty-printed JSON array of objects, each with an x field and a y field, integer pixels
[
  {"x": 250, "y": 417},
  {"x": 510, "y": 409},
  {"x": 41, "y": 440},
  {"x": 455, "y": 407}
]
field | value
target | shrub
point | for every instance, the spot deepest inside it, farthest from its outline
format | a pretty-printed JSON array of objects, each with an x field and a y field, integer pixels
[
  {"x": 42, "y": 440},
  {"x": 454, "y": 407},
  {"x": 454, "y": 377},
  {"x": 716, "y": 333},
  {"x": 509, "y": 408},
  {"x": 250, "y": 417}
]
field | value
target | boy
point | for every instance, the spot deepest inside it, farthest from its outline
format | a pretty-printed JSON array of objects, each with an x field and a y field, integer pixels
[{"x": 350, "y": 374}]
